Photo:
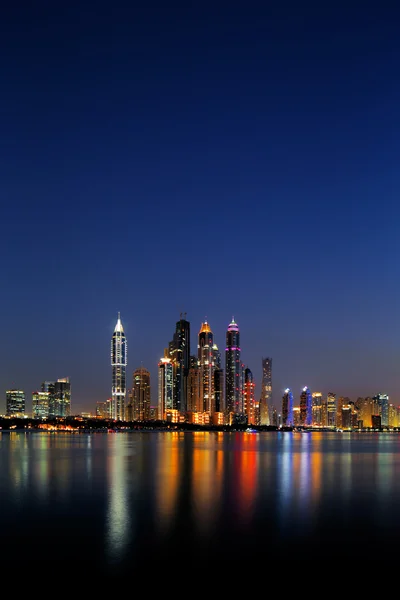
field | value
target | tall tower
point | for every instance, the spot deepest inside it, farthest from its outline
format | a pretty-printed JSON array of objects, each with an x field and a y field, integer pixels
[
  {"x": 248, "y": 394},
  {"x": 218, "y": 380},
  {"x": 205, "y": 359},
  {"x": 287, "y": 408},
  {"x": 331, "y": 409},
  {"x": 317, "y": 410},
  {"x": 266, "y": 391},
  {"x": 165, "y": 388},
  {"x": 119, "y": 354},
  {"x": 233, "y": 372},
  {"x": 306, "y": 407},
  {"x": 179, "y": 352},
  {"x": 141, "y": 395}
]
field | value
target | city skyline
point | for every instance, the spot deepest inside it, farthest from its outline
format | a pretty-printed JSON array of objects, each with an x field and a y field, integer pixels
[
  {"x": 265, "y": 370},
  {"x": 234, "y": 160}
]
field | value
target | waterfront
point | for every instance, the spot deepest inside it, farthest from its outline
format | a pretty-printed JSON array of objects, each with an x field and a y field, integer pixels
[{"x": 112, "y": 503}]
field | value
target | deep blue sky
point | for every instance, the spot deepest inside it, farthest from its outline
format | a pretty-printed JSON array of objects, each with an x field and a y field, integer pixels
[{"x": 215, "y": 158}]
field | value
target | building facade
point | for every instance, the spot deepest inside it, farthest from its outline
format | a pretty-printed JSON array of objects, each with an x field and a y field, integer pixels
[
  {"x": 165, "y": 388},
  {"x": 119, "y": 355},
  {"x": 141, "y": 392},
  {"x": 59, "y": 397},
  {"x": 179, "y": 353},
  {"x": 287, "y": 408},
  {"x": 40, "y": 405},
  {"x": 266, "y": 391},
  {"x": 233, "y": 373},
  {"x": 205, "y": 361},
  {"x": 306, "y": 407},
  {"x": 248, "y": 393},
  {"x": 15, "y": 403}
]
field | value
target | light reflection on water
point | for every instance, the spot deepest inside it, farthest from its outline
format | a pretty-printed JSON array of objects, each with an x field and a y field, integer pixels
[{"x": 142, "y": 495}]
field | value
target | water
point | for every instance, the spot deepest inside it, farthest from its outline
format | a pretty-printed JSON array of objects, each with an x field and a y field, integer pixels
[{"x": 112, "y": 503}]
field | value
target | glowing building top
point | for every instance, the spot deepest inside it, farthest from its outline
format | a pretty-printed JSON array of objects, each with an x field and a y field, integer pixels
[{"x": 233, "y": 326}]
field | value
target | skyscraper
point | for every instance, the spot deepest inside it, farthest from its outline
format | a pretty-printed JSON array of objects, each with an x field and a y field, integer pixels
[
  {"x": 331, "y": 409},
  {"x": 119, "y": 354},
  {"x": 141, "y": 395},
  {"x": 266, "y": 391},
  {"x": 382, "y": 401},
  {"x": 15, "y": 403},
  {"x": 287, "y": 408},
  {"x": 179, "y": 352},
  {"x": 218, "y": 380},
  {"x": 317, "y": 410},
  {"x": 205, "y": 358},
  {"x": 59, "y": 397},
  {"x": 165, "y": 387},
  {"x": 248, "y": 393},
  {"x": 306, "y": 407},
  {"x": 233, "y": 388},
  {"x": 40, "y": 405},
  {"x": 193, "y": 396}
]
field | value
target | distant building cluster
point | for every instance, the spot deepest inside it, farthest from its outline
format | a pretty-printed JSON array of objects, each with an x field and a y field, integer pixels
[
  {"x": 53, "y": 400},
  {"x": 331, "y": 412}
]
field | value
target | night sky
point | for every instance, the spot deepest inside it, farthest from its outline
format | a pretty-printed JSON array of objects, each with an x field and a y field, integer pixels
[{"x": 217, "y": 158}]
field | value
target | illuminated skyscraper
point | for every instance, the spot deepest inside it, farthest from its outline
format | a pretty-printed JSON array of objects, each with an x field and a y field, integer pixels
[
  {"x": 233, "y": 387},
  {"x": 59, "y": 397},
  {"x": 193, "y": 396},
  {"x": 179, "y": 353},
  {"x": 317, "y": 410},
  {"x": 382, "y": 402},
  {"x": 287, "y": 408},
  {"x": 331, "y": 409},
  {"x": 218, "y": 380},
  {"x": 266, "y": 391},
  {"x": 119, "y": 355},
  {"x": 15, "y": 403},
  {"x": 141, "y": 395},
  {"x": 206, "y": 368},
  {"x": 306, "y": 407},
  {"x": 248, "y": 393},
  {"x": 165, "y": 388},
  {"x": 40, "y": 405}
]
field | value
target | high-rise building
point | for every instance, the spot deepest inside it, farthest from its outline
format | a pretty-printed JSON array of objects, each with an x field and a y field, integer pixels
[
  {"x": 15, "y": 403},
  {"x": 331, "y": 409},
  {"x": 40, "y": 405},
  {"x": 317, "y": 413},
  {"x": 218, "y": 380},
  {"x": 382, "y": 402},
  {"x": 205, "y": 360},
  {"x": 368, "y": 408},
  {"x": 165, "y": 387},
  {"x": 119, "y": 355},
  {"x": 345, "y": 417},
  {"x": 266, "y": 391},
  {"x": 233, "y": 368},
  {"x": 104, "y": 410},
  {"x": 141, "y": 395},
  {"x": 248, "y": 393},
  {"x": 306, "y": 407},
  {"x": 59, "y": 397},
  {"x": 393, "y": 415},
  {"x": 193, "y": 396},
  {"x": 287, "y": 408},
  {"x": 179, "y": 353}
]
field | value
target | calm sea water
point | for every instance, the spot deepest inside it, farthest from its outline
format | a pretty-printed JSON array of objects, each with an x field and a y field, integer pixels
[{"x": 114, "y": 502}]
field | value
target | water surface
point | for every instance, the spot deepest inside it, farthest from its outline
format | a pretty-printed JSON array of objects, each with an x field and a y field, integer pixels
[{"x": 112, "y": 503}]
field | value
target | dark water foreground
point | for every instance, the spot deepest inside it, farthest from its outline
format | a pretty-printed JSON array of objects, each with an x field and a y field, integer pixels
[{"x": 114, "y": 503}]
